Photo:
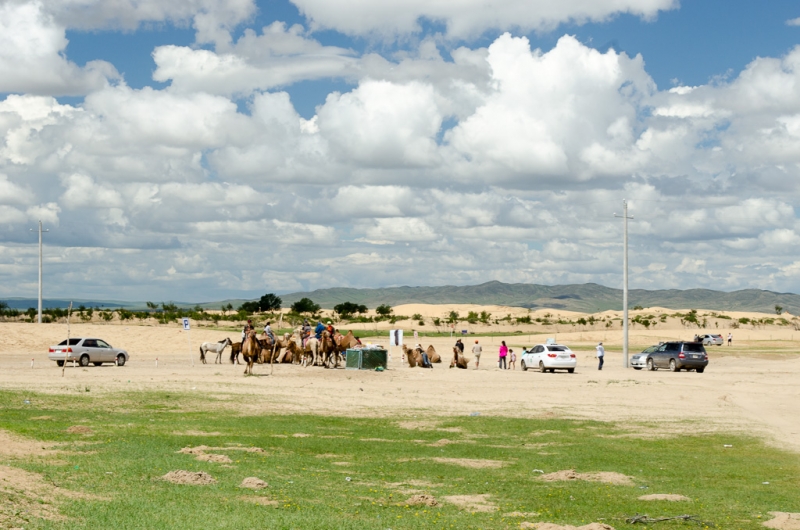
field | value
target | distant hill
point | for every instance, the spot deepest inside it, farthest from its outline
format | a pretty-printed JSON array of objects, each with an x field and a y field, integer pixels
[{"x": 588, "y": 297}]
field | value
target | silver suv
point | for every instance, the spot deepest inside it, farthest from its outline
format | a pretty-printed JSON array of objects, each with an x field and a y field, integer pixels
[{"x": 678, "y": 356}]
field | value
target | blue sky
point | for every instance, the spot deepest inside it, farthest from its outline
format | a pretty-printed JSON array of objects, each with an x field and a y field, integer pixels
[
  {"x": 415, "y": 142},
  {"x": 698, "y": 42}
]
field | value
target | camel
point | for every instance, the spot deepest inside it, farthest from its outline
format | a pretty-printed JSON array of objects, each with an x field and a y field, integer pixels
[
  {"x": 333, "y": 347},
  {"x": 267, "y": 348},
  {"x": 216, "y": 347},
  {"x": 433, "y": 357},
  {"x": 307, "y": 355},
  {"x": 251, "y": 349},
  {"x": 458, "y": 359},
  {"x": 414, "y": 357}
]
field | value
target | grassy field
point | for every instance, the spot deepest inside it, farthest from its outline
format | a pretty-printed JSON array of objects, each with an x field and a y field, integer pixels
[{"x": 342, "y": 473}]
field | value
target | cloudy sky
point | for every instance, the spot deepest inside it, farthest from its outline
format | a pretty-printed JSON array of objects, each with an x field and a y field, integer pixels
[{"x": 195, "y": 150}]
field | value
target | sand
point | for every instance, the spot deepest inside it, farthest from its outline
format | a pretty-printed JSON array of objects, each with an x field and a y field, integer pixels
[{"x": 750, "y": 387}]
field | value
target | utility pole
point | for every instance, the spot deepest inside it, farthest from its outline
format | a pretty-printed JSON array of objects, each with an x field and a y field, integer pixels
[
  {"x": 40, "y": 268},
  {"x": 625, "y": 218}
]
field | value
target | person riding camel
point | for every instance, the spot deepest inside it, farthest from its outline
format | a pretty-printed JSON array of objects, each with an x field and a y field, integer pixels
[
  {"x": 268, "y": 332},
  {"x": 319, "y": 329},
  {"x": 247, "y": 328},
  {"x": 306, "y": 333},
  {"x": 331, "y": 329}
]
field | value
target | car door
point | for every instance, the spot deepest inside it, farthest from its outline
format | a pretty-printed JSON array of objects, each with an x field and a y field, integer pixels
[
  {"x": 89, "y": 346},
  {"x": 537, "y": 355},
  {"x": 658, "y": 355},
  {"x": 104, "y": 352},
  {"x": 671, "y": 350}
]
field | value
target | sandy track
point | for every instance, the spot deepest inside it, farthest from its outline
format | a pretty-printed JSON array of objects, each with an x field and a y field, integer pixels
[{"x": 758, "y": 395}]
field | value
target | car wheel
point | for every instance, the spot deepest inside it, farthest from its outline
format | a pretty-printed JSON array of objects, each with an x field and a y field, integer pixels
[
  {"x": 673, "y": 366},
  {"x": 700, "y": 370},
  {"x": 571, "y": 370},
  {"x": 651, "y": 365},
  {"x": 552, "y": 370},
  {"x": 523, "y": 366},
  {"x": 637, "y": 367},
  {"x": 541, "y": 367},
  {"x": 97, "y": 364},
  {"x": 60, "y": 363},
  {"x": 120, "y": 360},
  {"x": 84, "y": 360}
]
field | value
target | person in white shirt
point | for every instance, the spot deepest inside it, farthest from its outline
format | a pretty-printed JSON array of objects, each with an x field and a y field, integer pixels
[
  {"x": 730, "y": 338},
  {"x": 601, "y": 353},
  {"x": 476, "y": 351}
]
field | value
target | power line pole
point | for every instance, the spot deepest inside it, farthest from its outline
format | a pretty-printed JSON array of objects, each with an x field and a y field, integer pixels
[
  {"x": 625, "y": 218},
  {"x": 40, "y": 268}
]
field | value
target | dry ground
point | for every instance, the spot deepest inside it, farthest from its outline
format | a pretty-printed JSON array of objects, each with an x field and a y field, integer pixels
[{"x": 752, "y": 387}]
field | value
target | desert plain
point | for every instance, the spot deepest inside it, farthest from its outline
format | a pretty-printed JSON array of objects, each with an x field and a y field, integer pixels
[{"x": 749, "y": 388}]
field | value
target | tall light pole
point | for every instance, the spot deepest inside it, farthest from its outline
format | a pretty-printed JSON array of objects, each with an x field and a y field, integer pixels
[
  {"x": 625, "y": 218},
  {"x": 40, "y": 268}
]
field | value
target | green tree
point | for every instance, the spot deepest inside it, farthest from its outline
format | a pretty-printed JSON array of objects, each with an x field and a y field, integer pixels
[
  {"x": 150, "y": 305},
  {"x": 453, "y": 317},
  {"x": 270, "y": 302},
  {"x": 384, "y": 310},
  {"x": 3, "y": 307},
  {"x": 346, "y": 309},
  {"x": 305, "y": 305},
  {"x": 778, "y": 310},
  {"x": 249, "y": 307}
]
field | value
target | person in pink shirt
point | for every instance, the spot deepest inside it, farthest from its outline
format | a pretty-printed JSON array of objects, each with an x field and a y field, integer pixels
[{"x": 501, "y": 363}]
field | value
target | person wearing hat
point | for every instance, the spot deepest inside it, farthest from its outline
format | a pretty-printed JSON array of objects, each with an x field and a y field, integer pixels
[
  {"x": 601, "y": 353},
  {"x": 330, "y": 328},
  {"x": 268, "y": 332}
]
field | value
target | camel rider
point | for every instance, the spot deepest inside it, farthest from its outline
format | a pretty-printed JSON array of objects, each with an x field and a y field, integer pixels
[
  {"x": 306, "y": 333},
  {"x": 319, "y": 329},
  {"x": 331, "y": 329},
  {"x": 247, "y": 328},
  {"x": 268, "y": 332}
]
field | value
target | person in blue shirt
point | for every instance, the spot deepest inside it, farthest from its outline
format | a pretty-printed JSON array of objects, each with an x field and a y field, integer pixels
[{"x": 319, "y": 329}]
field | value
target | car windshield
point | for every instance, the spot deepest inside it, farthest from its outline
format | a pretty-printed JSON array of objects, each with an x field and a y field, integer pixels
[
  {"x": 102, "y": 344},
  {"x": 693, "y": 346},
  {"x": 558, "y": 348},
  {"x": 72, "y": 342},
  {"x": 651, "y": 349}
]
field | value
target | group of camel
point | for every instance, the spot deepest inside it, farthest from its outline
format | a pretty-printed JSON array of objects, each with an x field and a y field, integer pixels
[
  {"x": 327, "y": 351},
  {"x": 414, "y": 357},
  {"x": 288, "y": 349}
]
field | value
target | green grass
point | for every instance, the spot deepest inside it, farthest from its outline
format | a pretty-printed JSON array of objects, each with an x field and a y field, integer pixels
[{"x": 135, "y": 442}]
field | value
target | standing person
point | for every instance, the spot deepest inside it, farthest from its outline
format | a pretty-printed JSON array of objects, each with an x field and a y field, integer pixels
[
  {"x": 730, "y": 338},
  {"x": 513, "y": 360},
  {"x": 601, "y": 353},
  {"x": 476, "y": 351},
  {"x": 501, "y": 362},
  {"x": 460, "y": 345}
]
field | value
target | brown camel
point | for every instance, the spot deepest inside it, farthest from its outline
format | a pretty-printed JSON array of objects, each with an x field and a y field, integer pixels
[
  {"x": 433, "y": 357},
  {"x": 458, "y": 359},
  {"x": 267, "y": 348},
  {"x": 332, "y": 348},
  {"x": 414, "y": 357},
  {"x": 251, "y": 349}
]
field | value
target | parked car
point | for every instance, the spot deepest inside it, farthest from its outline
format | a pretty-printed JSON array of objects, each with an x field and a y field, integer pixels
[
  {"x": 85, "y": 351},
  {"x": 549, "y": 357},
  {"x": 639, "y": 360},
  {"x": 711, "y": 340},
  {"x": 677, "y": 356}
]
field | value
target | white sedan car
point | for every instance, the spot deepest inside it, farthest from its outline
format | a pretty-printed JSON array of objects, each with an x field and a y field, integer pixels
[
  {"x": 85, "y": 351},
  {"x": 639, "y": 360},
  {"x": 549, "y": 357}
]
